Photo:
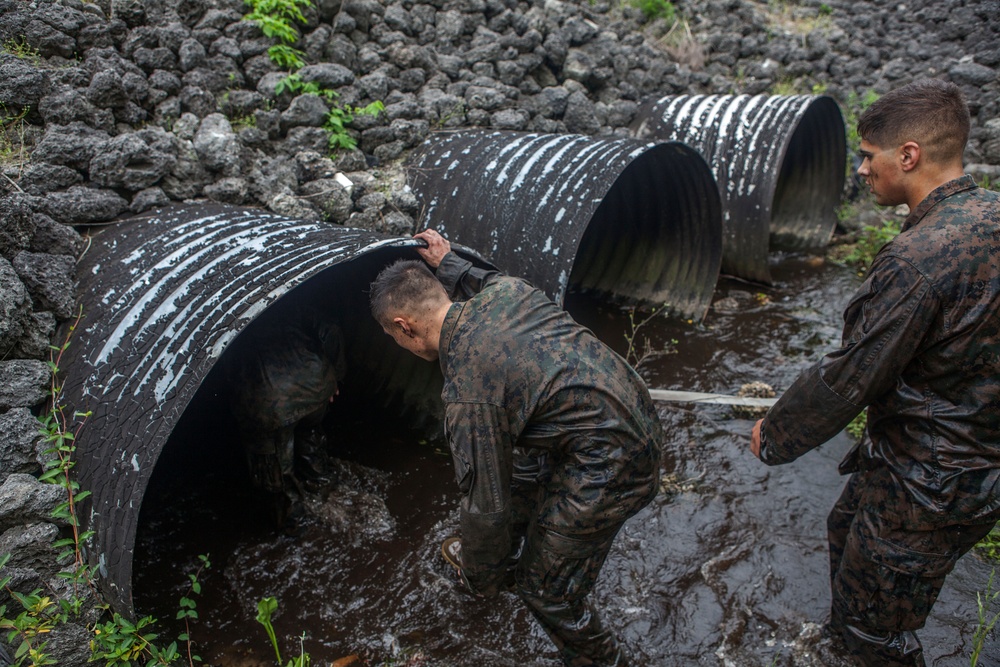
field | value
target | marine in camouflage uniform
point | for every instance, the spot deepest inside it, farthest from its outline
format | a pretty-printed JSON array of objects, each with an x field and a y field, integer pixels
[
  {"x": 921, "y": 349},
  {"x": 554, "y": 439},
  {"x": 284, "y": 374}
]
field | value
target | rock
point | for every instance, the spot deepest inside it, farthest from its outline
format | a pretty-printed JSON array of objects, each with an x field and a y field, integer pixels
[
  {"x": 30, "y": 546},
  {"x": 510, "y": 119},
  {"x": 37, "y": 337},
  {"x": 217, "y": 146},
  {"x": 50, "y": 280},
  {"x": 327, "y": 75},
  {"x": 20, "y": 84},
  {"x": 135, "y": 161},
  {"x": 41, "y": 177},
  {"x": 18, "y": 443},
  {"x": 991, "y": 141},
  {"x": 312, "y": 165},
  {"x": 24, "y": 383},
  {"x": 81, "y": 205},
  {"x": 580, "y": 116},
  {"x": 293, "y": 207},
  {"x": 397, "y": 223},
  {"x": 305, "y": 111},
  {"x": 16, "y": 224},
  {"x": 481, "y": 97},
  {"x": 331, "y": 196},
  {"x": 25, "y": 500},
  {"x": 191, "y": 55},
  {"x": 147, "y": 199},
  {"x": 15, "y": 307},
  {"x": 106, "y": 90},
  {"x": 54, "y": 238},
  {"x": 229, "y": 190},
  {"x": 73, "y": 145},
  {"x": 198, "y": 101},
  {"x": 972, "y": 74}
]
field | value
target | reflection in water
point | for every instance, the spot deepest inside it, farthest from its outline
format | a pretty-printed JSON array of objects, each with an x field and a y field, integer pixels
[{"x": 727, "y": 566}]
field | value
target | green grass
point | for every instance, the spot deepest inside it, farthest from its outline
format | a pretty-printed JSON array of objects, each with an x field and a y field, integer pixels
[{"x": 657, "y": 9}]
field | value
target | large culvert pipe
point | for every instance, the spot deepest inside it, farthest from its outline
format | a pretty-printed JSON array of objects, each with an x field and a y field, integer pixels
[
  {"x": 779, "y": 162},
  {"x": 163, "y": 296},
  {"x": 630, "y": 220}
]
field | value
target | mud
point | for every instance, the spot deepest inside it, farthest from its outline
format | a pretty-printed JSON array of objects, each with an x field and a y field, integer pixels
[{"x": 728, "y": 566}]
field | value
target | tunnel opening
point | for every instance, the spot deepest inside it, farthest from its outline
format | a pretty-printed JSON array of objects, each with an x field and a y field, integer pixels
[
  {"x": 779, "y": 162},
  {"x": 165, "y": 297},
  {"x": 808, "y": 187},
  {"x": 634, "y": 220},
  {"x": 662, "y": 250}
]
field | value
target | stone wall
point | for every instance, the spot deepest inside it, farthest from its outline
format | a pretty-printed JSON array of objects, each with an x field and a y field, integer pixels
[{"x": 118, "y": 106}]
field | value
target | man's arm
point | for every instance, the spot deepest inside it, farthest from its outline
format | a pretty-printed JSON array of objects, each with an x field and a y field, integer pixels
[
  {"x": 884, "y": 328},
  {"x": 482, "y": 453},
  {"x": 459, "y": 277}
]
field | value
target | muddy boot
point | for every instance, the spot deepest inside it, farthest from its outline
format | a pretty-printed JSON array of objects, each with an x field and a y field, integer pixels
[{"x": 898, "y": 649}]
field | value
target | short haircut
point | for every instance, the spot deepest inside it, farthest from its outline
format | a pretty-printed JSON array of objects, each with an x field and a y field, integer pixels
[
  {"x": 406, "y": 285},
  {"x": 931, "y": 112}
]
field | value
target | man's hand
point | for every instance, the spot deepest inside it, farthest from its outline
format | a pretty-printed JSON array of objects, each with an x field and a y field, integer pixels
[
  {"x": 755, "y": 438},
  {"x": 437, "y": 247}
]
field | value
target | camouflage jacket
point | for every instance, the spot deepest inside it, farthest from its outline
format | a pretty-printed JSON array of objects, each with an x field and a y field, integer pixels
[
  {"x": 284, "y": 367},
  {"x": 921, "y": 349},
  {"x": 520, "y": 373}
]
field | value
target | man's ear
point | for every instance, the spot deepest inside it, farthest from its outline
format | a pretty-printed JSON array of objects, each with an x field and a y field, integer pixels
[
  {"x": 402, "y": 325},
  {"x": 909, "y": 156}
]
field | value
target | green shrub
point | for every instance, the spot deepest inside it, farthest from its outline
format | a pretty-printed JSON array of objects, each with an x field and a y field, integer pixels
[{"x": 657, "y": 9}]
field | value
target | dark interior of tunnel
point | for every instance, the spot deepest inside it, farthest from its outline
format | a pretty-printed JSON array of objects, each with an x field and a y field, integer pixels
[
  {"x": 656, "y": 233},
  {"x": 387, "y": 398},
  {"x": 809, "y": 182}
]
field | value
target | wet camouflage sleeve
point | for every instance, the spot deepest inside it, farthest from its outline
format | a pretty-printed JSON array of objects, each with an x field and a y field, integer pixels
[
  {"x": 884, "y": 327},
  {"x": 461, "y": 279},
  {"x": 921, "y": 350}
]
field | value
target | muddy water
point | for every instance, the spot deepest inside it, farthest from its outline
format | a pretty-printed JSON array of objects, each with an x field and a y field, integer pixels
[{"x": 728, "y": 566}]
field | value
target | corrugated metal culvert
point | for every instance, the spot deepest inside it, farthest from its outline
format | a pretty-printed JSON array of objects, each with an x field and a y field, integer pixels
[
  {"x": 164, "y": 296},
  {"x": 631, "y": 220},
  {"x": 779, "y": 161}
]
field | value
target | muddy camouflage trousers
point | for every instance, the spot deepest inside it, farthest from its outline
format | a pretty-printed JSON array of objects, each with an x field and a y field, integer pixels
[
  {"x": 886, "y": 568},
  {"x": 553, "y": 574}
]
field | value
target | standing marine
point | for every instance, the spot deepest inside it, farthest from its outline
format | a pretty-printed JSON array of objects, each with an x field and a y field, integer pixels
[
  {"x": 554, "y": 438},
  {"x": 920, "y": 350}
]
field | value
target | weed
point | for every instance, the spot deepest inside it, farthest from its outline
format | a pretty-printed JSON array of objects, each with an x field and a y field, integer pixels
[
  {"x": 276, "y": 18},
  {"x": 21, "y": 49},
  {"x": 339, "y": 117},
  {"x": 13, "y": 135},
  {"x": 989, "y": 546},
  {"x": 825, "y": 10},
  {"x": 984, "y": 624},
  {"x": 265, "y": 609},
  {"x": 870, "y": 241},
  {"x": 784, "y": 87},
  {"x": 657, "y": 9},
  {"x": 243, "y": 122},
  {"x": 680, "y": 43},
  {"x": 856, "y": 429},
  {"x": 286, "y": 57},
  {"x": 986, "y": 183},
  {"x": 632, "y": 355}
]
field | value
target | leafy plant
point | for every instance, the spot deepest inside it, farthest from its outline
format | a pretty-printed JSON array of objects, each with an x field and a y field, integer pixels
[
  {"x": 989, "y": 546},
  {"x": 276, "y": 18},
  {"x": 265, "y": 609},
  {"x": 856, "y": 429},
  {"x": 286, "y": 57},
  {"x": 986, "y": 183},
  {"x": 985, "y": 624},
  {"x": 657, "y": 9},
  {"x": 869, "y": 242},
  {"x": 119, "y": 642},
  {"x": 39, "y": 615},
  {"x": 339, "y": 118}
]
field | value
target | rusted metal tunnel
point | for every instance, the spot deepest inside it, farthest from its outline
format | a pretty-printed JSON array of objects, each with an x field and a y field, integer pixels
[
  {"x": 780, "y": 163},
  {"x": 163, "y": 299},
  {"x": 628, "y": 220}
]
